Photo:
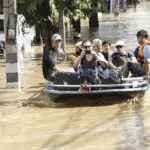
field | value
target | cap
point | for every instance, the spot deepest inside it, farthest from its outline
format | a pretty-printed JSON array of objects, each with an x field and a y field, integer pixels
[
  {"x": 56, "y": 37},
  {"x": 96, "y": 42},
  {"x": 120, "y": 43}
]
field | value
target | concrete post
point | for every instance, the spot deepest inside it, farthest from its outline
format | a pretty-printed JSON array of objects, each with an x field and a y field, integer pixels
[
  {"x": 10, "y": 29},
  {"x": 111, "y": 6},
  {"x": 125, "y": 5},
  {"x": 62, "y": 29},
  {"x": 116, "y": 9}
]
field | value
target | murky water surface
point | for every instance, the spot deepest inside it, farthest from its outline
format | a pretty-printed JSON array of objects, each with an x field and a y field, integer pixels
[{"x": 29, "y": 121}]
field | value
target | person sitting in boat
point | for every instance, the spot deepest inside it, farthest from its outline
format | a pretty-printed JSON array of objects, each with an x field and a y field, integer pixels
[
  {"x": 88, "y": 58},
  {"x": 78, "y": 48},
  {"x": 97, "y": 45},
  {"x": 50, "y": 57},
  {"x": 51, "y": 71},
  {"x": 142, "y": 67},
  {"x": 120, "y": 58},
  {"x": 107, "y": 52}
]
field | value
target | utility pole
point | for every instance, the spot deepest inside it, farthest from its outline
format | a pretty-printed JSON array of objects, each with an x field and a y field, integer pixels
[
  {"x": 125, "y": 5},
  {"x": 111, "y": 6},
  {"x": 116, "y": 9},
  {"x": 10, "y": 29}
]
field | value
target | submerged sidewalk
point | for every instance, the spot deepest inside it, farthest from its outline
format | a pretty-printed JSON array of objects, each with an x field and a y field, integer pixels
[{"x": 31, "y": 79}]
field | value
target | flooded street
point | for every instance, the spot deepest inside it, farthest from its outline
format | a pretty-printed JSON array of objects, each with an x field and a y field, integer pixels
[{"x": 30, "y": 121}]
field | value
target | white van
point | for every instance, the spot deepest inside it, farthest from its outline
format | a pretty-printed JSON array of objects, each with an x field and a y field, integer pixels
[
  {"x": 2, "y": 34},
  {"x": 27, "y": 31},
  {"x": 23, "y": 29}
]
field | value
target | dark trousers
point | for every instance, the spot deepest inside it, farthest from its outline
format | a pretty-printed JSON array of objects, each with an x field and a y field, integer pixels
[
  {"x": 136, "y": 69},
  {"x": 72, "y": 78}
]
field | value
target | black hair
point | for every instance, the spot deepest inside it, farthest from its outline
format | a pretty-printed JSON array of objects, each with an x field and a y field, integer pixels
[
  {"x": 106, "y": 42},
  {"x": 142, "y": 33}
]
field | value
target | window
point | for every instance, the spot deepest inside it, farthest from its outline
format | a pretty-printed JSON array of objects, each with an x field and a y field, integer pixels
[{"x": 1, "y": 25}]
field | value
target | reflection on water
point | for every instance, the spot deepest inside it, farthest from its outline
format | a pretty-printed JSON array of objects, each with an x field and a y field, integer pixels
[
  {"x": 30, "y": 121},
  {"x": 133, "y": 128}
]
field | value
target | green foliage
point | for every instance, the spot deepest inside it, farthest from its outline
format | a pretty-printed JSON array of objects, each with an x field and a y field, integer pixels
[
  {"x": 74, "y": 9},
  {"x": 54, "y": 13},
  {"x": 28, "y": 9},
  {"x": 45, "y": 13}
]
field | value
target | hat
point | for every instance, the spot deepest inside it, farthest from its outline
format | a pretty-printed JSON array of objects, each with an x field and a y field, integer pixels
[
  {"x": 56, "y": 37},
  {"x": 120, "y": 43},
  {"x": 96, "y": 42}
]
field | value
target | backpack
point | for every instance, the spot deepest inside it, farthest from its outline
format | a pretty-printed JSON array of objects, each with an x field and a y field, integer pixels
[
  {"x": 109, "y": 76},
  {"x": 89, "y": 76}
]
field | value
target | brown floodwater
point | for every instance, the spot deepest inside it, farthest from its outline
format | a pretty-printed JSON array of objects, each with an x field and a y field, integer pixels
[{"x": 30, "y": 121}]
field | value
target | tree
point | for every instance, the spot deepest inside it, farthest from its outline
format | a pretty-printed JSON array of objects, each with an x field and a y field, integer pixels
[
  {"x": 38, "y": 12},
  {"x": 46, "y": 13},
  {"x": 93, "y": 20}
]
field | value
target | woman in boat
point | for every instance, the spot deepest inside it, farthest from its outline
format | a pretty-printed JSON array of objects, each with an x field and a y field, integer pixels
[
  {"x": 78, "y": 50},
  {"x": 120, "y": 59},
  {"x": 88, "y": 58},
  {"x": 107, "y": 52}
]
